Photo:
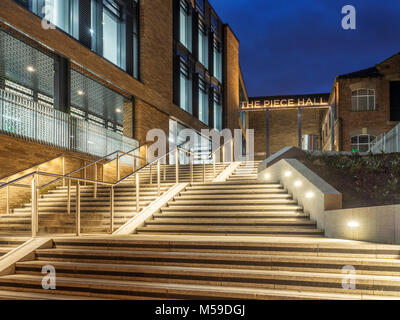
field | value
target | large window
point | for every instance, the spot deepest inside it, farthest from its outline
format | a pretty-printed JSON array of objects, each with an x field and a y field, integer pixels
[
  {"x": 217, "y": 112},
  {"x": 61, "y": 13},
  {"x": 185, "y": 32},
  {"x": 217, "y": 60},
  {"x": 203, "y": 44},
  {"x": 185, "y": 87},
  {"x": 362, "y": 143},
  {"x": 363, "y": 100},
  {"x": 112, "y": 30},
  {"x": 203, "y": 101}
]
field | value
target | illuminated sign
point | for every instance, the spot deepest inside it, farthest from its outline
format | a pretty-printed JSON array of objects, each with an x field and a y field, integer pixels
[{"x": 285, "y": 102}]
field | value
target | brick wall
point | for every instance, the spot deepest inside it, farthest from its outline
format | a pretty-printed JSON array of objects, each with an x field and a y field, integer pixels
[
  {"x": 283, "y": 128},
  {"x": 373, "y": 122},
  {"x": 231, "y": 78}
]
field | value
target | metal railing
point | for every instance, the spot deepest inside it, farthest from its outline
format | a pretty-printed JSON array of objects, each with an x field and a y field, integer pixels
[
  {"x": 138, "y": 171},
  {"x": 29, "y": 120},
  {"x": 387, "y": 142}
]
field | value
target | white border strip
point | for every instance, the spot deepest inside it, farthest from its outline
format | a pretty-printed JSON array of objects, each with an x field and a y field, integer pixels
[{"x": 226, "y": 173}]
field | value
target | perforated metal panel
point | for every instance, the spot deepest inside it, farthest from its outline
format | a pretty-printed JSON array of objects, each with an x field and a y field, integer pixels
[
  {"x": 25, "y": 65},
  {"x": 96, "y": 99}
]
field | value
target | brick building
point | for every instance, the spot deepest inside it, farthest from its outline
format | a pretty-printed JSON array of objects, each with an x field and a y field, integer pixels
[
  {"x": 366, "y": 105},
  {"x": 109, "y": 71}
]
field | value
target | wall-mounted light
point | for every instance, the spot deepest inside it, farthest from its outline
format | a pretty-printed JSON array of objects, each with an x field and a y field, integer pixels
[
  {"x": 309, "y": 195},
  {"x": 80, "y": 92},
  {"x": 353, "y": 224},
  {"x": 298, "y": 183},
  {"x": 30, "y": 69},
  {"x": 267, "y": 176},
  {"x": 91, "y": 31},
  {"x": 118, "y": 110}
]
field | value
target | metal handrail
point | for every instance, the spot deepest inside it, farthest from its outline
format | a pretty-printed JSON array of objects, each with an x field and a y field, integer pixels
[{"x": 35, "y": 187}]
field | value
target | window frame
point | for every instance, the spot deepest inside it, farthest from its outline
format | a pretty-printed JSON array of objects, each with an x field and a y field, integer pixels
[
  {"x": 356, "y": 96},
  {"x": 356, "y": 145}
]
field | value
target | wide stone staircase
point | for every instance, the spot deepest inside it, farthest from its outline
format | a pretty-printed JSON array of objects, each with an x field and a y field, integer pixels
[
  {"x": 240, "y": 239},
  {"x": 240, "y": 206},
  {"x": 95, "y": 212}
]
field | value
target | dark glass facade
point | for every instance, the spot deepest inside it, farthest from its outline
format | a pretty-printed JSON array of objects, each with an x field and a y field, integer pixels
[
  {"x": 108, "y": 27},
  {"x": 198, "y": 56}
]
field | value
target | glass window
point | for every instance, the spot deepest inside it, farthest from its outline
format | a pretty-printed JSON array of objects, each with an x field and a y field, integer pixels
[
  {"x": 217, "y": 112},
  {"x": 203, "y": 44},
  {"x": 362, "y": 143},
  {"x": 214, "y": 23},
  {"x": 185, "y": 33},
  {"x": 185, "y": 88},
  {"x": 363, "y": 100},
  {"x": 200, "y": 5},
  {"x": 136, "y": 39},
  {"x": 112, "y": 32},
  {"x": 217, "y": 60},
  {"x": 203, "y": 101}
]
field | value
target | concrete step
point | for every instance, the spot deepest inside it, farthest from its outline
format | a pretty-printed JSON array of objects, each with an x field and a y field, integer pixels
[
  {"x": 102, "y": 288},
  {"x": 231, "y": 222},
  {"x": 244, "y": 197},
  {"x": 240, "y": 260},
  {"x": 178, "y": 201},
  {"x": 247, "y": 278},
  {"x": 208, "y": 207},
  {"x": 230, "y": 230},
  {"x": 235, "y": 215}
]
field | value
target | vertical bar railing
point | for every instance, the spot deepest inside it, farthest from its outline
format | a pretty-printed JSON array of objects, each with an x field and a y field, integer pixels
[
  {"x": 177, "y": 165},
  {"x": 112, "y": 208},
  {"x": 118, "y": 167},
  {"x": 63, "y": 170},
  {"x": 137, "y": 192},
  {"x": 191, "y": 168},
  {"x": 214, "y": 169},
  {"x": 158, "y": 178},
  {"x": 34, "y": 206},
  {"x": 7, "y": 199},
  {"x": 69, "y": 197},
  {"x": 95, "y": 184},
  {"x": 78, "y": 209},
  {"x": 204, "y": 170}
]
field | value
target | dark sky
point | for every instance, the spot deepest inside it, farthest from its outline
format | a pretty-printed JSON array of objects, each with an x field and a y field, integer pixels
[{"x": 299, "y": 46}]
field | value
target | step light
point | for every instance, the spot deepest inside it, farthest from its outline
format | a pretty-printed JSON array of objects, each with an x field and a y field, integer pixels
[
  {"x": 298, "y": 183},
  {"x": 288, "y": 174},
  {"x": 309, "y": 195},
  {"x": 353, "y": 224}
]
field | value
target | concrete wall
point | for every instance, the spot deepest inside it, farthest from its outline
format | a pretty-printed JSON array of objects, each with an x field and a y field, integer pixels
[
  {"x": 375, "y": 224},
  {"x": 311, "y": 192}
]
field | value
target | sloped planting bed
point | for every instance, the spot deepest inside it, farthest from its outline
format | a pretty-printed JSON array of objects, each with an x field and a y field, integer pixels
[{"x": 364, "y": 181}]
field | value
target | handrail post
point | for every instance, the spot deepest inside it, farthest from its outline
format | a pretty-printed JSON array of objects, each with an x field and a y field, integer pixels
[
  {"x": 84, "y": 171},
  {"x": 204, "y": 170},
  {"x": 112, "y": 209},
  {"x": 232, "y": 155},
  {"x": 134, "y": 161},
  {"x": 191, "y": 168},
  {"x": 177, "y": 165},
  {"x": 34, "y": 207},
  {"x": 63, "y": 170},
  {"x": 95, "y": 179},
  {"x": 7, "y": 199},
  {"x": 165, "y": 168},
  {"x": 137, "y": 192},
  {"x": 151, "y": 174},
  {"x": 214, "y": 169},
  {"x": 158, "y": 178},
  {"x": 223, "y": 156},
  {"x": 118, "y": 165},
  {"x": 78, "y": 209},
  {"x": 69, "y": 197}
]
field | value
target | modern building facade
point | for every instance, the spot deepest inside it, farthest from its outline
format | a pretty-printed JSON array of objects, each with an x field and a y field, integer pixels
[
  {"x": 94, "y": 76},
  {"x": 361, "y": 106}
]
